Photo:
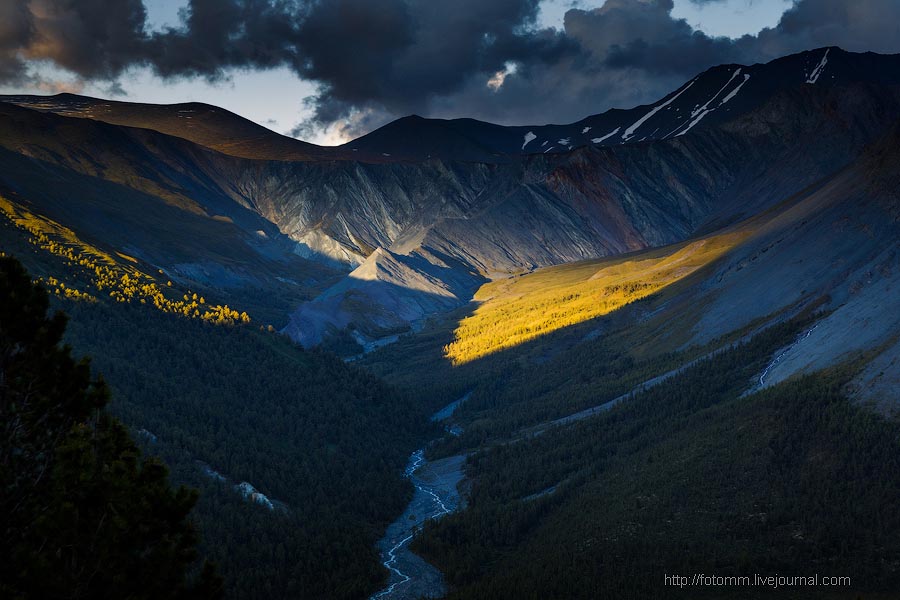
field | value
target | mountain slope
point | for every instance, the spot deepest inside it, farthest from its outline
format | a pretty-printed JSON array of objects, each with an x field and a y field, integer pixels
[
  {"x": 203, "y": 124},
  {"x": 143, "y": 194},
  {"x": 461, "y": 221},
  {"x": 721, "y": 420},
  {"x": 713, "y": 97},
  {"x": 551, "y": 343},
  {"x": 689, "y": 476},
  {"x": 228, "y": 406},
  {"x": 544, "y": 210}
]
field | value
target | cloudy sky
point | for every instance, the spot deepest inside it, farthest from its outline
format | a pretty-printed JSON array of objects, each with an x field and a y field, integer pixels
[{"x": 329, "y": 70}]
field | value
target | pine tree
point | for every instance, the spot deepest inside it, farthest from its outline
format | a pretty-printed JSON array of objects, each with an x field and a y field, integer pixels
[{"x": 82, "y": 514}]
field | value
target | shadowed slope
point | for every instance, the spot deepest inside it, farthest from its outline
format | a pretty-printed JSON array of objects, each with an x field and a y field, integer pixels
[
  {"x": 209, "y": 126},
  {"x": 714, "y": 97}
]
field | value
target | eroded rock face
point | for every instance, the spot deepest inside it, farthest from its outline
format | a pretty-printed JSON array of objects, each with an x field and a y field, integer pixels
[
  {"x": 837, "y": 247},
  {"x": 454, "y": 202},
  {"x": 593, "y": 202},
  {"x": 386, "y": 295}
]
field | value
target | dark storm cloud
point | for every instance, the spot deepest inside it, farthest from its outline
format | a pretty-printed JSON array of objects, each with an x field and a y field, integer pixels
[
  {"x": 395, "y": 57},
  {"x": 100, "y": 39},
  {"x": 855, "y": 25},
  {"x": 218, "y": 35},
  {"x": 624, "y": 33},
  {"x": 627, "y": 52},
  {"x": 93, "y": 38},
  {"x": 16, "y": 31},
  {"x": 374, "y": 60}
]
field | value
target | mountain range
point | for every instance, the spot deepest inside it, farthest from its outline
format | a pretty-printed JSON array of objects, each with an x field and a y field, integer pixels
[
  {"x": 411, "y": 219},
  {"x": 737, "y": 236}
]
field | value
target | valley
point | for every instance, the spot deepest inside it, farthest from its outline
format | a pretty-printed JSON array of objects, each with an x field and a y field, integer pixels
[{"x": 465, "y": 360}]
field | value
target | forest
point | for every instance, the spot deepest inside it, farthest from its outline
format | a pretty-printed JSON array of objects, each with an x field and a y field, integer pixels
[
  {"x": 302, "y": 427},
  {"x": 690, "y": 476},
  {"x": 313, "y": 434},
  {"x": 608, "y": 505},
  {"x": 83, "y": 514}
]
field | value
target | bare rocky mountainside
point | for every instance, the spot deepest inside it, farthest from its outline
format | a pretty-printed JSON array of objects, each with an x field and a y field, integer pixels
[{"x": 374, "y": 237}]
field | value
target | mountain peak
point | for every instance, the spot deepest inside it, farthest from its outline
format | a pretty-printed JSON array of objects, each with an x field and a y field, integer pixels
[{"x": 711, "y": 98}]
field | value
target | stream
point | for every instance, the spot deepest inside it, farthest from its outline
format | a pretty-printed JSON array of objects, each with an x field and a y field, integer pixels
[
  {"x": 435, "y": 496},
  {"x": 777, "y": 359}
]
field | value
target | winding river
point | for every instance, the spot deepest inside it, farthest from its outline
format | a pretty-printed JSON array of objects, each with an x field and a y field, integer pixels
[{"x": 435, "y": 496}]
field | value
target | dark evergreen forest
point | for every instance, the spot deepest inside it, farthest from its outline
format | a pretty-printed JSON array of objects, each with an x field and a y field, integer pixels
[{"x": 691, "y": 476}]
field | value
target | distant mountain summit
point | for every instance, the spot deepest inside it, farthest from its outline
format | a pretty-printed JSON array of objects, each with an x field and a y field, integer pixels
[
  {"x": 713, "y": 97},
  {"x": 717, "y": 95}
]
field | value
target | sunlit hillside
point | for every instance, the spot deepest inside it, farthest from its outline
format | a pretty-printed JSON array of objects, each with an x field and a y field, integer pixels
[
  {"x": 516, "y": 310},
  {"x": 93, "y": 273}
]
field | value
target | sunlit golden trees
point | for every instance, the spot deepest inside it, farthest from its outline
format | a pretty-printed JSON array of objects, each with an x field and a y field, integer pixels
[{"x": 119, "y": 282}]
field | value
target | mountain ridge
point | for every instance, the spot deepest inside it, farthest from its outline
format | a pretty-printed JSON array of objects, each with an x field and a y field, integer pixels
[
  {"x": 741, "y": 87},
  {"x": 486, "y": 219},
  {"x": 418, "y": 138},
  {"x": 203, "y": 124}
]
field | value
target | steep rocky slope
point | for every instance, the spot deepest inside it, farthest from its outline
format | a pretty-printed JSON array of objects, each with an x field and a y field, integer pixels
[
  {"x": 142, "y": 194},
  {"x": 204, "y": 212},
  {"x": 545, "y": 210},
  {"x": 838, "y": 246},
  {"x": 575, "y": 339}
]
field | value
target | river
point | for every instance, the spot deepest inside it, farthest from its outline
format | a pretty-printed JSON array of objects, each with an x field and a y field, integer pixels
[{"x": 435, "y": 495}]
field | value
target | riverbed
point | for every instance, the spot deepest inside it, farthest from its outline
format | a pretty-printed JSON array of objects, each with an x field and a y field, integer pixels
[{"x": 435, "y": 495}]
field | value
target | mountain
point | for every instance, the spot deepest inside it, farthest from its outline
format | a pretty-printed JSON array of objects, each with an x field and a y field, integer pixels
[
  {"x": 144, "y": 195},
  {"x": 454, "y": 223},
  {"x": 707, "y": 295},
  {"x": 713, "y": 97},
  {"x": 541, "y": 210},
  {"x": 712, "y": 402},
  {"x": 831, "y": 249},
  {"x": 202, "y": 124}
]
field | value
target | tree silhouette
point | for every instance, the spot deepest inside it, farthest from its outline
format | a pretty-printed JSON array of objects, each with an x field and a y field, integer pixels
[{"x": 82, "y": 514}]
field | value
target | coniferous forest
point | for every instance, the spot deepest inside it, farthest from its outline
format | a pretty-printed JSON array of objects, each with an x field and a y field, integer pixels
[
  {"x": 307, "y": 431},
  {"x": 691, "y": 476},
  {"x": 84, "y": 514}
]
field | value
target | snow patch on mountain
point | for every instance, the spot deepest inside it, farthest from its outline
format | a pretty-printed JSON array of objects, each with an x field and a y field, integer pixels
[
  {"x": 820, "y": 68},
  {"x": 629, "y": 133},
  {"x": 735, "y": 91},
  {"x": 705, "y": 106},
  {"x": 529, "y": 137},
  {"x": 607, "y": 136},
  {"x": 700, "y": 112}
]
